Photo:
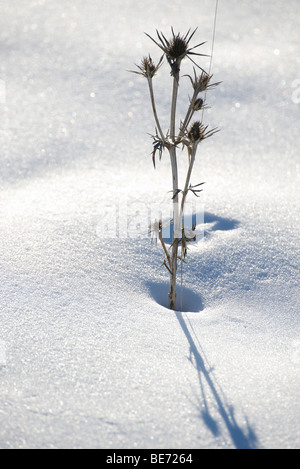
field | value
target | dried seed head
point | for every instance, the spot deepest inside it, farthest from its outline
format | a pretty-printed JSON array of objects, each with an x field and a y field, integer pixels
[
  {"x": 202, "y": 82},
  {"x": 177, "y": 48},
  {"x": 198, "y": 104},
  {"x": 148, "y": 68},
  {"x": 198, "y": 132},
  {"x": 195, "y": 132}
]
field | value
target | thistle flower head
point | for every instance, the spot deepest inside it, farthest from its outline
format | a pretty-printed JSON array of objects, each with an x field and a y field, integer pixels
[
  {"x": 195, "y": 131},
  {"x": 177, "y": 47},
  {"x": 198, "y": 132},
  {"x": 148, "y": 68},
  {"x": 198, "y": 104},
  {"x": 201, "y": 82}
]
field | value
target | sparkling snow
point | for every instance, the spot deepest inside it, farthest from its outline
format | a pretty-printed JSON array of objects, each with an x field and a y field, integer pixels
[{"x": 89, "y": 354}]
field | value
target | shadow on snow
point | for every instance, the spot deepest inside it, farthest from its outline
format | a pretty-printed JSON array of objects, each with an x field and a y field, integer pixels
[
  {"x": 192, "y": 302},
  {"x": 218, "y": 224},
  {"x": 208, "y": 222},
  {"x": 240, "y": 438}
]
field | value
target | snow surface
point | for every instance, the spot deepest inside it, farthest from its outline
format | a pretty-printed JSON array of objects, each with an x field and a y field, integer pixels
[{"x": 90, "y": 357}]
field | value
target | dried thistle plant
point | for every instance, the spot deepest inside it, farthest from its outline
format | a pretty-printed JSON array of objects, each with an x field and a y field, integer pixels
[{"x": 189, "y": 135}]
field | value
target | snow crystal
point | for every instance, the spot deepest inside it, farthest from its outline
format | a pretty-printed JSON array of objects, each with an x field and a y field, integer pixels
[{"x": 89, "y": 354}]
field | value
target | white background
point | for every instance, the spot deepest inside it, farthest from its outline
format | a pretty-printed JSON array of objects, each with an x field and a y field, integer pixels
[{"x": 93, "y": 358}]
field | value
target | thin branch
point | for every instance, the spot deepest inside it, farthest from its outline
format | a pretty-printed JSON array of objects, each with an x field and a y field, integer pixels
[
  {"x": 154, "y": 109},
  {"x": 174, "y": 102},
  {"x": 212, "y": 49},
  {"x": 164, "y": 248},
  {"x": 188, "y": 117},
  {"x": 188, "y": 177}
]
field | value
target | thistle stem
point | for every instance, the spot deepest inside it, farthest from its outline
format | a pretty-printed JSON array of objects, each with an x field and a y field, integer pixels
[
  {"x": 188, "y": 177},
  {"x": 174, "y": 101},
  {"x": 172, "y": 292},
  {"x": 176, "y": 225},
  {"x": 189, "y": 115},
  {"x": 154, "y": 109},
  {"x": 164, "y": 248}
]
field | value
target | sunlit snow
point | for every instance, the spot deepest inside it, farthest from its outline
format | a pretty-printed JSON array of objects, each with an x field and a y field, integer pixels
[{"x": 90, "y": 357}]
